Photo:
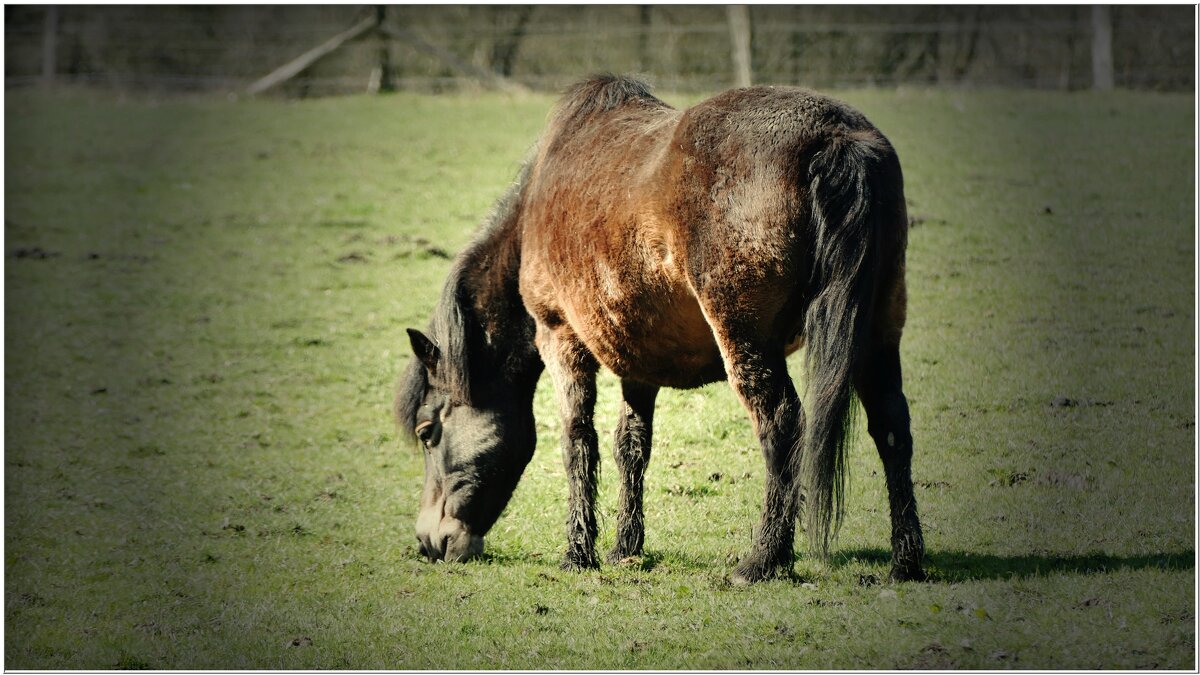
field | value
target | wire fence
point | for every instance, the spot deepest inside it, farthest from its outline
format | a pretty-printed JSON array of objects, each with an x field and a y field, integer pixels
[{"x": 225, "y": 48}]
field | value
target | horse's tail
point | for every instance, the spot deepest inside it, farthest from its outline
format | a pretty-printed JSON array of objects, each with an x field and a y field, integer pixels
[{"x": 845, "y": 184}]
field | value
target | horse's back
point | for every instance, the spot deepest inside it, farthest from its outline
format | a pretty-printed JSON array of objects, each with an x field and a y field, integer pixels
[{"x": 767, "y": 124}]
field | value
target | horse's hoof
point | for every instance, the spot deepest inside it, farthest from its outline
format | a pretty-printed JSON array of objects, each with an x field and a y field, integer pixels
[
  {"x": 579, "y": 563},
  {"x": 623, "y": 557},
  {"x": 753, "y": 571},
  {"x": 907, "y": 573},
  {"x": 740, "y": 579}
]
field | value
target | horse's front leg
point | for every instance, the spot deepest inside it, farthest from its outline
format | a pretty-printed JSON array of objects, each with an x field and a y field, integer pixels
[
  {"x": 573, "y": 371},
  {"x": 631, "y": 450}
]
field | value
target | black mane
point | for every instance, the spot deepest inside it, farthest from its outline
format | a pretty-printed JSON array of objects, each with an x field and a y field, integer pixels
[
  {"x": 454, "y": 327},
  {"x": 604, "y": 92},
  {"x": 409, "y": 395}
]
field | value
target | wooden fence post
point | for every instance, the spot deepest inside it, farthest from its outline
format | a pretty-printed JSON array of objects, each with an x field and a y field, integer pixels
[
  {"x": 293, "y": 67},
  {"x": 487, "y": 77},
  {"x": 1102, "y": 59},
  {"x": 382, "y": 75},
  {"x": 643, "y": 49},
  {"x": 50, "y": 46},
  {"x": 739, "y": 33}
]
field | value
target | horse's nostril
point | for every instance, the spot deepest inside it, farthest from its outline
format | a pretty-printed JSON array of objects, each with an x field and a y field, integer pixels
[{"x": 426, "y": 550}]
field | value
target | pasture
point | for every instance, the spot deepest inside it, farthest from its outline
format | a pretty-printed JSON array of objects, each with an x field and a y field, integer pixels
[{"x": 205, "y": 306}]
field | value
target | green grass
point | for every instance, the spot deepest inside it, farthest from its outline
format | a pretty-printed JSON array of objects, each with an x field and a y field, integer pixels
[{"x": 201, "y": 472}]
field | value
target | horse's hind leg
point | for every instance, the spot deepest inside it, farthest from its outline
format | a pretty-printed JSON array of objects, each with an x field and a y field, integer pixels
[
  {"x": 632, "y": 453},
  {"x": 758, "y": 374},
  {"x": 879, "y": 388},
  {"x": 573, "y": 370}
]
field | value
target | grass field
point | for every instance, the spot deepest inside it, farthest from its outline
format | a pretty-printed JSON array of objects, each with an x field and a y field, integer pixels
[{"x": 205, "y": 306}]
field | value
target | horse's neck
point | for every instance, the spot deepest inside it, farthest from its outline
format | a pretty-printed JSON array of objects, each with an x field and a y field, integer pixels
[{"x": 491, "y": 271}]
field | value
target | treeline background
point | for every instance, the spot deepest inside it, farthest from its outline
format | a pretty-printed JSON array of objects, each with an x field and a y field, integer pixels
[{"x": 225, "y": 48}]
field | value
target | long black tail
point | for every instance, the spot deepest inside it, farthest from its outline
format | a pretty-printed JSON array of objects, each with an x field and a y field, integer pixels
[{"x": 843, "y": 178}]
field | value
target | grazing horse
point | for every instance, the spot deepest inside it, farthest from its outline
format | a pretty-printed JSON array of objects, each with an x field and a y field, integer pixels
[{"x": 675, "y": 248}]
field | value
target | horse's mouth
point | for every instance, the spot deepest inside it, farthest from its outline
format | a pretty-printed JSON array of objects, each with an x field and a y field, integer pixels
[{"x": 459, "y": 546}]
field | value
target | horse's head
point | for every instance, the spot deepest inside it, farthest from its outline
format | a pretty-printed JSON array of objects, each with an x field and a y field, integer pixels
[{"x": 477, "y": 442}]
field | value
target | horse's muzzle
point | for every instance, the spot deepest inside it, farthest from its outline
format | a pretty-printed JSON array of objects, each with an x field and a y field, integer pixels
[{"x": 449, "y": 541}]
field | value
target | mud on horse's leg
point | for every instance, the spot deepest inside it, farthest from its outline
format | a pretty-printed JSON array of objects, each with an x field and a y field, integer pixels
[
  {"x": 879, "y": 388},
  {"x": 631, "y": 450},
  {"x": 573, "y": 370}
]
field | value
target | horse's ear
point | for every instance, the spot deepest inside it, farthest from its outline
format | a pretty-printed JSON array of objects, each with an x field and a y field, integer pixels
[{"x": 423, "y": 347}]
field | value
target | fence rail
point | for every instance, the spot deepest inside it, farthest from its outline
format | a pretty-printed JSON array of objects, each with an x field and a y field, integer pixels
[{"x": 226, "y": 48}]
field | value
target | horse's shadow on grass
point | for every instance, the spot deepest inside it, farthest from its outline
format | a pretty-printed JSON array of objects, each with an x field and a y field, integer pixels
[
  {"x": 646, "y": 562},
  {"x": 954, "y": 566},
  {"x": 942, "y": 566}
]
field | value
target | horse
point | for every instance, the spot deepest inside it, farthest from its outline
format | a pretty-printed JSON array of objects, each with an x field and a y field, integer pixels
[{"x": 676, "y": 249}]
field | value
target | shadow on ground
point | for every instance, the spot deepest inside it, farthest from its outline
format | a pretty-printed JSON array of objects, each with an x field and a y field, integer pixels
[
  {"x": 954, "y": 566},
  {"x": 942, "y": 566}
]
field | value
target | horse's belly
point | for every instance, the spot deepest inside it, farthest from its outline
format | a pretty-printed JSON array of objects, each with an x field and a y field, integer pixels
[{"x": 659, "y": 339}]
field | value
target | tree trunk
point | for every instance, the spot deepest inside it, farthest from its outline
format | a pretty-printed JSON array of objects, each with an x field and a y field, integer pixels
[
  {"x": 504, "y": 50},
  {"x": 972, "y": 45},
  {"x": 383, "y": 79}
]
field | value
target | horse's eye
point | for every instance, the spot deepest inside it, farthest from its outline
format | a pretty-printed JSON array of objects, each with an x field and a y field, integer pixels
[{"x": 424, "y": 432}]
